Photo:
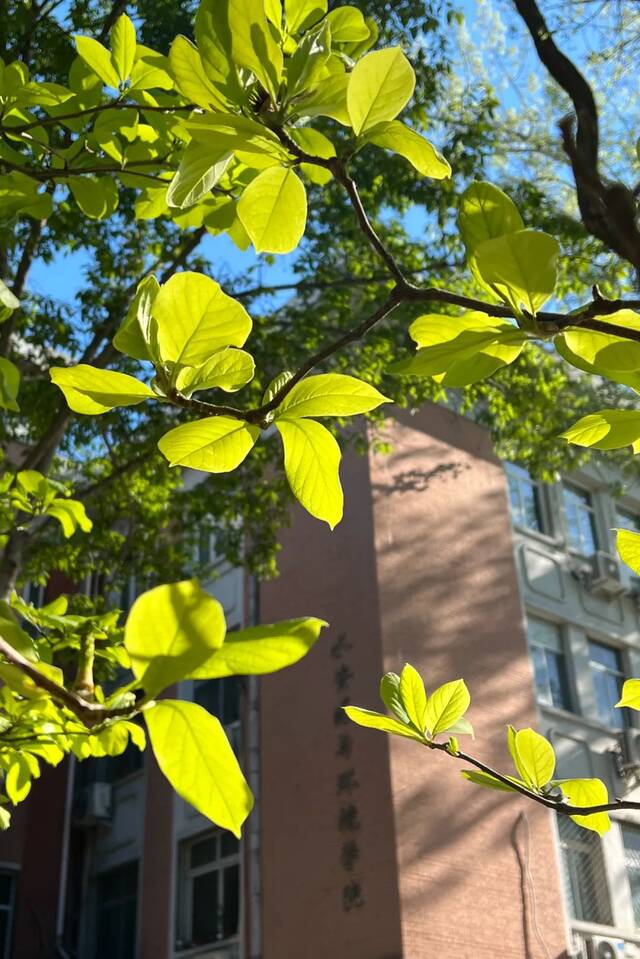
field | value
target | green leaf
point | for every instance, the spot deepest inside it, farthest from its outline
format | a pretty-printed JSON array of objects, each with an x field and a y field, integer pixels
[
  {"x": 587, "y": 792},
  {"x": 217, "y": 444},
  {"x": 98, "y": 59},
  {"x": 273, "y": 210},
  {"x": 604, "y": 351},
  {"x": 347, "y": 25},
  {"x": 533, "y": 757},
  {"x": 421, "y": 154},
  {"x": 9, "y": 385},
  {"x": 262, "y": 649},
  {"x": 630, "y": 693},
  {"x": 97, "y": 197},
  {"x": 628, "y": 546},
  {"x": 301, "y": 14},
  {"x": 330, "y": 394},
  {"x": 485, "y": 779},
  {"x": 606, "y": 430},
  {"x": 276, "y": 385},
  {"x": 17, "y": 781},
  {"x": 138, "y": 335},
  {"x": 486, "y": 213},
  {"x": 71, "y": 515},
  {"x": 18, "y": 638},
  {"x": 390, "y": 696},
  {"x": 8, "y": 302},
  {"x": 380, "y": 85},
  {"x": 170, "y": 631},
  {"x": 194, "y": 754},
  {"x": 123, "y": 46},
  {"x": 228, "y": 369},
  {"x": 414, "y": 697},
  {"x": 195, "y": 319},
  {"x": 311, "y": 463},
  {"x": 631, "y": 379},
  {"x": 91, "y": 391},
  {"x": 191, "y": 77},
  {"x": 520, "y": 267},
  {"x": 373, "y": 720},
  {"x": 198, "y": 173},
  {"x": 458, "y": 350},
  {"x": 252, "y": 42},
  {"x": 446, "y": 706}
]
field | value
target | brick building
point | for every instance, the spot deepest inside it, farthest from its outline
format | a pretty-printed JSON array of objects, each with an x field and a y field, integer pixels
[{"x": 363, "y": 846}]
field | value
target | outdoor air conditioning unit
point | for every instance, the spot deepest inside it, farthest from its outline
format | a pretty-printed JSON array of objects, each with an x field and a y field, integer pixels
[
  {"x": 600, "y": 948},
  {"x": 605, "y": 575},
  {"x": 93, "y": 806}
]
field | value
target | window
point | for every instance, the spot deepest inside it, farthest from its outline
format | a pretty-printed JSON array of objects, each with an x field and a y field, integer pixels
[
  {"x": 7, "y": 899},
  {"x": 116, "y": 912},
  {"x": 580, "y": 519},
  {"x": 608, "y": 677},
  {"x": 524, "y": 499},
  {"x": 209, "y": 890},
  {"x": 583, "y": 873},
  {"x": 631, "y": 840},
  {"x": 549, "y": 664}
]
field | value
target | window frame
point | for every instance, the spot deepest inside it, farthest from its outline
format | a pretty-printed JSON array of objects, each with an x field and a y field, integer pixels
[
  {"x": 120, "y": 900},
  {"x": 631, "y": 827},
  {"x": 623, "y": 514},
  {"x": 564, "y": 662},
  {"x": 620, "y": 673},
  {"x": 589, "y": 844},
  {"x": 520, "y": 476},
  {"x": 591, "y": 508},
  {"x": 183, "y": 938}
]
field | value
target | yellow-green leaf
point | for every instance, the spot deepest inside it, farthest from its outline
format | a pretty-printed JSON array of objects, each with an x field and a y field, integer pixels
[
  {"x": 273, "y": 210},
  {"x": 330, "y": 394},
  {"x": 421, "y": 154},
  {"x": 195, "y": 318},
  {"x": 123, "y": 46},
  {"x": 9, "y": 385},
  {"x": 373, "y": 720},
  {"x": 628, "y": 546},
  {"x": 630, "y": 694},
  {"x": 414, "y": 697},
  {"x": 485, "y": 779},
  {"x": 170, "y": 631},
  {"x": 587, "y": 792},
  {"x": 97, "y": 197},
  {"x": 533, "y": 757},
  {"x": 98, "y": 59},
  {"x": 194, "y": 754},
  {"x": 520, "y": 267},
  {"x": 486, "y": 213},
  {"x": 301, "y": 14},
  {"x": 198, "y": 172},
  {"x": 190, "y": 75},
  {"x": 217, "y": 444},
  {"x": 606, "y": 430},
  {"x": 262, "y": 649},
  {"x": 380, "y": 85},
  {"x": 311, "y": 463},
  {"x": 446, "y": 706},
  {"x": 71, "y": 515},
  {"x": 228, "y": 369},
  {"x": 91, "y": 391},
  {"x": 347, "y": 25}
]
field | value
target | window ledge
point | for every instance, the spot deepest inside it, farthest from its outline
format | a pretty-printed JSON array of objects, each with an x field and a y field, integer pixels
[
  {"x": 555, "y": 541},
  {"x": 224, "y": 949},
  {"x": 607, "y": 932},
  {"x": 578, "y": 719}
]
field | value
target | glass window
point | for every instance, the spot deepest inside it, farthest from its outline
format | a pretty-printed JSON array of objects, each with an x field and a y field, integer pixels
[
  {"x": 524, "y": 498},
  {"x": 117, "y": 912},
  {"x": 631, "y": 840},
  {"x": 549, "y": 663},
  {"x": 209, "y": 890},
  {"x": 222, "y": 698},
  {"x": 7, "y": 899},
  {"x": 608, "y": 677},
  {"x": 583, "y": 873},
  {"x": 580, "y": 519}
]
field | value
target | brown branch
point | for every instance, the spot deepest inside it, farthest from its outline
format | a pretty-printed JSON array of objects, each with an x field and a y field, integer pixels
[
  {"x": 91, "y": 111},
  {"x": 608, "y": 210},
  {"x": 559, "y": 805}
]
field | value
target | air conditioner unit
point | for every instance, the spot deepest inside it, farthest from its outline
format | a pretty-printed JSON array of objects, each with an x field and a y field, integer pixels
[
  {"x": 630, "y": 747},
  {"x": 93, "y": 806},
  {"x": 605, "y": 575},
  {"x": 600, "y": 948}
]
